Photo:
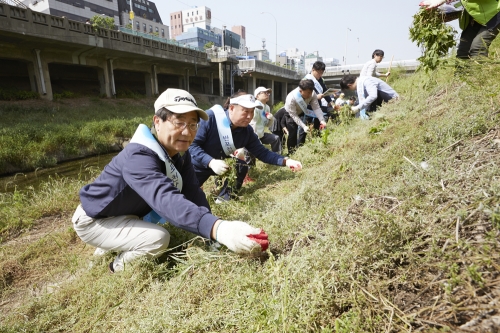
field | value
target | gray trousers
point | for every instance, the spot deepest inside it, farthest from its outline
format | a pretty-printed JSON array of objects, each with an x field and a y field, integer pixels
[
  {"x": 128, "y": 235},
  {"x": 475, "y": 40}
]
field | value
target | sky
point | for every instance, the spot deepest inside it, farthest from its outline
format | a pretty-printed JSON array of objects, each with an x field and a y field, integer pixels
[{"x": 316, "y": 26}]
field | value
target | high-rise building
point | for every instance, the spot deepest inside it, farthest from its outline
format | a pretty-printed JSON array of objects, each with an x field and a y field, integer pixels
[
  {"x": 181, "y": 21},
  {"x": 146, "y": 17},
  {"x": 176, "y": 27},
  {"x": 240, "y": 30},
  {"x": 76, "y": 10},
  {"x": 198, "y": 37}
]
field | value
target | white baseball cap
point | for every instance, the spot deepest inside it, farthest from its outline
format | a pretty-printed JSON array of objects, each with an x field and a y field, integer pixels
[
  {"x": 178, "y": 101},
  {"x": 261, "y": 89},
  {"x": 247, "y": 101}
]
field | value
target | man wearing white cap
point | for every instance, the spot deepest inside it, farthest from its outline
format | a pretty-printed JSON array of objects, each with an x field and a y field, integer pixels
[
  {"x": 225, "y": 132},
  {"x": 154, "y": 176},
  {"x": 263, "y": 118}
]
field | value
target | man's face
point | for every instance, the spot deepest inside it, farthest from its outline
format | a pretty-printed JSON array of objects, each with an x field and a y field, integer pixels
[
  {"x": 306, "y": 93},
  {"x": 378, "y": 58},
  {"x": 352, "y": 86},
  {"x": 240, "y": 116},
  {"x": 175, "y": 134},
  {"x": 317, "y": 73},
  {"x": 263, "y": 96}
]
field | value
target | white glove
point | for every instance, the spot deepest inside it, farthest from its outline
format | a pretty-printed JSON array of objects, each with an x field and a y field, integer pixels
[
  {"x": 387, "y": 74},
  {"x": 294, "y": 165},
  {"x": 306, "y": 129},
  {"x": 218, "y": 166},
  {"x": 431, "y": 3},
  {"x": 240, "y": 153},
  {"x": 355, "y": 109},
  {"x": 240, "y": 237}
]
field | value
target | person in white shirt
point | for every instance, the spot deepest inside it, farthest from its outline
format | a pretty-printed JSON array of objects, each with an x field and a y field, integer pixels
[
  {"x": 370, "y": 68},
  {"x": 340, "y": 101},
  {"x": 263, "y": 119},
  {"x": 296, "y": 105}
]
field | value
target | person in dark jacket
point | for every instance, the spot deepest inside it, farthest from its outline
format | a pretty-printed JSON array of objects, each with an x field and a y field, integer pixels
[
  {"x": 153, "y": 176},
  {"x": 223, "y": 135}
]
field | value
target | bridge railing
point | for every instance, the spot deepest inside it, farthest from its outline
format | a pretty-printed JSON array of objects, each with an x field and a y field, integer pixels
[
  {"x": 56, "y": 22},
  {"x": 265, "y": 68}
]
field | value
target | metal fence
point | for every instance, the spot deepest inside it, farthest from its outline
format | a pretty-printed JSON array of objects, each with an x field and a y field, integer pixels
[{"x": 14, "y": 3}]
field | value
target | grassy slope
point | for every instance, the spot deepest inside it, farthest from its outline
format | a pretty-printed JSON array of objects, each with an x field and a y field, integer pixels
[{"x": 363, "y": 240}]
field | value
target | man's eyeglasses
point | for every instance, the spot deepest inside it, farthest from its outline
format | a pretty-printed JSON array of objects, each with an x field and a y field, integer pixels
[
  {"x": 266, "y": 93},
  {"x": 180, "y": 125}
]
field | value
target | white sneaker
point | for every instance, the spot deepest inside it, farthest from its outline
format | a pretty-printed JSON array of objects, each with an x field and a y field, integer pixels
[{"x": 100, "y": 252}]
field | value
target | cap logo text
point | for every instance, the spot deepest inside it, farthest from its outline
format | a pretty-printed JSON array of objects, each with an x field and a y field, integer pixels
[{"x": 180, "y": 98}]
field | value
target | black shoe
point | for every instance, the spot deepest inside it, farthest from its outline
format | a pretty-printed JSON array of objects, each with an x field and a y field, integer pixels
[{"x": 111, "y": 268}]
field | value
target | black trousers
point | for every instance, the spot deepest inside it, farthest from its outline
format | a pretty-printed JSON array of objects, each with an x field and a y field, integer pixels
[{"x": 381, "y": 97}]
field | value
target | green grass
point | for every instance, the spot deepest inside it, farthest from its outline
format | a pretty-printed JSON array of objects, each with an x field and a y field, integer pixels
[{"x": 364, "y": 239}]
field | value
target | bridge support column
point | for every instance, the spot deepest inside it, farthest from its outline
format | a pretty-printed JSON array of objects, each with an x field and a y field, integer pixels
[
  {"x": 274, "y": 91},
  {"x": 32, "y": 76},
  {"x": 222, "y": 79},
  {"x": 211, "y": 84},
  {"x": 154, "y": 77},
  {"x": 186, "y": 80},
  {"x": 103, "y": 75},
  {"x": 112, "y": 86},
  {"x": 42, "y": 76},
  {"x": 252, "y": 84},
  {"x": 181, "y": 82},
  {"x": 284, "y": 89}
]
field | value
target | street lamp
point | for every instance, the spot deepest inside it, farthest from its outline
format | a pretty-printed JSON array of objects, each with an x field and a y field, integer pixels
[
  {"x": 276, "y": 22},
  {"x": 345, "y": 54},
  {"x": 358, "y": 49}
]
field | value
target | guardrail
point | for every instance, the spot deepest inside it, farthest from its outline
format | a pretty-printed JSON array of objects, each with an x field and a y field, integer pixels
[
  {"x": 56, "y": 22},
  {"x": 265, "y": 68}
]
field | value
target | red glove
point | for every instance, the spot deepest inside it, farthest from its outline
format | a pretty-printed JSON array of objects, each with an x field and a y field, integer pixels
[
  {"x": 322, "y": 127},
  {"x": 260, "y": 238}
]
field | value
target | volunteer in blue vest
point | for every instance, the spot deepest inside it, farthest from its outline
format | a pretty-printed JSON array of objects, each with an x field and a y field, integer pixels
[
  {"x": 480, "y": 24},
  {"x": 372, "y": 92},
  {"x": 226, "y": 132},
  {"x": 154, "y": 176},
  {"x": 316, "y": 76},
  {"x": 295, "y": 106},
  {"x": 370, "y": 67}
]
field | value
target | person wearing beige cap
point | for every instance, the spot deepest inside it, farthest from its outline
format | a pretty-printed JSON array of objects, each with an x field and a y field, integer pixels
[
  {"x": 263, "y": 118},
  {"x": 153, "y": 180},
  {"x": 226, "y": 132}
]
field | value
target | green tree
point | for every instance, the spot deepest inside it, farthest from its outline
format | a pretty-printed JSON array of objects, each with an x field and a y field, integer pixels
[
  {"x": 208, "y": 45},
  {"x": 101, "y": 21}
]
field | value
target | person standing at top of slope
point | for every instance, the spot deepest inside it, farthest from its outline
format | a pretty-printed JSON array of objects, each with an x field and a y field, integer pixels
[
  {"x": 370, "y": 67},
  {"x": 480, "y": 24}
]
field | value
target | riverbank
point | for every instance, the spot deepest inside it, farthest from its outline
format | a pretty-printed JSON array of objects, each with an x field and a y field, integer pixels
[
  {"x": 392, "y": 226},
  {"x": 37, "y": 133}
]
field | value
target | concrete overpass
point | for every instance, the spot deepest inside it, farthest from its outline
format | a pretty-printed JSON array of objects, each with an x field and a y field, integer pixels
[
  {"x": 334, "y": 74},
  {"x": 53, "y": 50}
]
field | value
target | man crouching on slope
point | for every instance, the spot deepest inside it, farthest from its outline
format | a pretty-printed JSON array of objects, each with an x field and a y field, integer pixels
[{"x": 153, "y": 173}]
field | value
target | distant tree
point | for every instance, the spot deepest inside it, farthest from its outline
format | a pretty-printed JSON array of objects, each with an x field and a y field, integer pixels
[
  {"x": 101, "y": 21},
  {"x": 208, "y": 45},
  {"x": 128, "y": 26}
]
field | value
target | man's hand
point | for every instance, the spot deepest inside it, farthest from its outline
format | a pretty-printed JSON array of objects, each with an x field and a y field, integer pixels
[
  {"x": 294, "y": 165},
  {"x": 240, "y": 154},
  {"x": 322, "y": 125},
  {"x": 240, "y": 237},
  {"x": 218, "y": 166},
  {"x": 428, "y": 4},
  {"x": 269, "y": 115},
  {"x": 285, "y": 130},
  {"x": 320, "y": 96},
  {"x": 306, "y": 129},
  {"x": 387, "y": 74},
  {"x": 355, "y": 109}
]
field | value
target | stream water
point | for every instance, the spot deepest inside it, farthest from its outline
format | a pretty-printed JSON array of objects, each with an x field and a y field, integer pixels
[{"x": 72, "y": 169}]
